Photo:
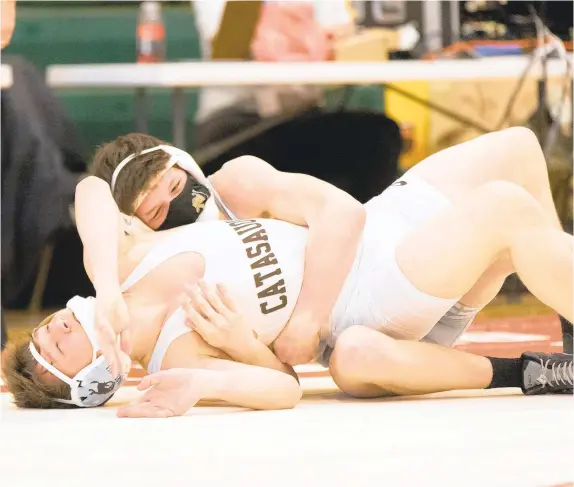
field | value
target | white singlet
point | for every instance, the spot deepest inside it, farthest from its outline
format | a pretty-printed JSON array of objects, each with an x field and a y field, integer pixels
[
  {"x": 213, "y": 206},
  {"x": 260, "y": 261}
]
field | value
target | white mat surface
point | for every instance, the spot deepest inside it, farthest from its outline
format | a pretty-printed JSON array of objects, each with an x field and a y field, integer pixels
[{"x": 455, "y": 439}]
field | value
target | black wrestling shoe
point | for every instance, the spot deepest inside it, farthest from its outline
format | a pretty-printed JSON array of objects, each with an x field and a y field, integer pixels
[
  {"x": 544, "y": 373},
  {"x": 567, "y": 338}
]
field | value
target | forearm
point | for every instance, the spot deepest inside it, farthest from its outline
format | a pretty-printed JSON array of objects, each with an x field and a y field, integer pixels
[
  {"x": 8, "y": 21},
  {"x": 251, "y": 387},
  {"x": 97, "y": 220},
  {"x": 257, "y": 353},
  {"x": 332, "y": 244}
]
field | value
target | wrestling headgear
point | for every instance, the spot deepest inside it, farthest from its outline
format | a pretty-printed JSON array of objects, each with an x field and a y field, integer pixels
[
  {"x": 94, "y": 384},
  {"x": 195, "y": 198}
]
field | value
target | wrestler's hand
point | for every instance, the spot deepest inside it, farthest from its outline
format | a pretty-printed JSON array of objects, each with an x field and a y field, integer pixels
[
  {"x": 168, "y": 393},
  {"x": 211, "y": 312},
  {"x": 112, "y": 319},
  {"x": 298, "y": 342}
]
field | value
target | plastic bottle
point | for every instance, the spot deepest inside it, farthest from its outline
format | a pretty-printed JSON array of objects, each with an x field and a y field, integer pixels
[{"x": 150, "y": 35}]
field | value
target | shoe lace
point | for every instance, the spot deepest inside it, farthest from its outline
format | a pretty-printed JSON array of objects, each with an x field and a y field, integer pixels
[{"x": 560, "y": 374}]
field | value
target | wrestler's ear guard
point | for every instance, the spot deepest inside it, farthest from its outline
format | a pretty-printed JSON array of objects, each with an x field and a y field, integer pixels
[{"x": 94, "y": 385}]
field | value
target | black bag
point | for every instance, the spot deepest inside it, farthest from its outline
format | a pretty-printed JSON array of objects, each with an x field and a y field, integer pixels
[{"x": 357, "y": 151}]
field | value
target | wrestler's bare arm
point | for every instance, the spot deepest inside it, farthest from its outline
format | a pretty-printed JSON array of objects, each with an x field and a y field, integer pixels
[
  {"x": 109, "y": 237},
  {"x": 100, "y": 227},
  {"x": 259, "y": 354},
  {"x": 251, "y": 188},
  {"x": 239, "y": 384},
  {"x": 212, "y": 313}
]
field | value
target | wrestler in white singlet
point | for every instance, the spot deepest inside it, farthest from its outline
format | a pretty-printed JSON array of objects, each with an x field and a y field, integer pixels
[
  {"x": 259, "y": 261},
  {"x": 262, "y": 262}
]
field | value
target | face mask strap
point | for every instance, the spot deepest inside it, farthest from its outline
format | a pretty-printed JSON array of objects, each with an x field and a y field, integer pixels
[
  {"x": 69, "y": 401},
  {"x": 50, "y": 368},
  {"x": 73, "y": 383}
]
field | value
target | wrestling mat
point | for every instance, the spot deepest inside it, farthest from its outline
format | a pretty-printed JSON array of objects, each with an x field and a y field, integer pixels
[{"x": 468, "y": 438}]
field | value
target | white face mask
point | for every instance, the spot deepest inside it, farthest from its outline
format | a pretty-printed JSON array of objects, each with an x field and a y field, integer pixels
[{"x": 94, "y": 384}]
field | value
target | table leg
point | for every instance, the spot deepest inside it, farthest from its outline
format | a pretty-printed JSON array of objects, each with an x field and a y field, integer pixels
[
  {"x": 179, "y": 118},
  {"x": 140, "y": 109}
]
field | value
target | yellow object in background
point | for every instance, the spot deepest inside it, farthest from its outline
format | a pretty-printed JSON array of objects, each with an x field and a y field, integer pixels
[
  {"x": 367, "y": 45},
  {"x": 413, "y": 119}
]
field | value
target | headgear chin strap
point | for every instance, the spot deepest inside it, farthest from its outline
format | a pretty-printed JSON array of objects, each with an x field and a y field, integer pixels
[
  {"x": 94, "y": 384},
  {"x": 178, "y": 156}
]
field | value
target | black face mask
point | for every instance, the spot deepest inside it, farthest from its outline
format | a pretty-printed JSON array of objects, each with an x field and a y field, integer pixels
[{"x": 188, "y": 205}]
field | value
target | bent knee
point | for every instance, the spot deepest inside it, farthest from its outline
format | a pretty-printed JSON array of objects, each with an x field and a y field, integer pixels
[
  {"x": 517, "y": 154},
  {"x": 519, "y": 132},
  {"x": 357, "y": 347},
  {"x": 520, "y": 139},
  {"x": 505, "y": 200},
  {"x": 363, "y": 362},
  {"x": 500, "y": 269}
]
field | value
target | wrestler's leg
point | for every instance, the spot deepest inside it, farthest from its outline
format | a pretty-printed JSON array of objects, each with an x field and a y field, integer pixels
[
  {"x": 367, "y": 363},
  {"x": 512, "y": 155},
  {"x": 488, "y": 284},
  {"x": 496, "y": 221}
]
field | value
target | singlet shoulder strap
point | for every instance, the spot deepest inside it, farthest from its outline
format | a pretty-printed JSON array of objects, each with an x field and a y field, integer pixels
[
  {"x": 170, "y": 247},
  {"x": 172, "y": 329},
  {"x": 219, "y": 202}
]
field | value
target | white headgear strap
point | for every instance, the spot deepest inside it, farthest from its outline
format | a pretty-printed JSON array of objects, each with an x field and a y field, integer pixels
[
  {"x": 94, "y": 384},
  {"x": 178, "y": 156}
]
